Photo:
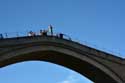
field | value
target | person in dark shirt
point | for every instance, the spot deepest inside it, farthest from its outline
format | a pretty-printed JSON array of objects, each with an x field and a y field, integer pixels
[{"x": 1, "y": 36}]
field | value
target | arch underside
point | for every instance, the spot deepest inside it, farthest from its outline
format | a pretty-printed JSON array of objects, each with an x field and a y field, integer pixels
[{"x": 83, "y": 67}]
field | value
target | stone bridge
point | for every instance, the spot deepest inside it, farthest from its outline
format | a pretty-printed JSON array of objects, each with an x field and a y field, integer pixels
[{"x": 96, "y": 65}]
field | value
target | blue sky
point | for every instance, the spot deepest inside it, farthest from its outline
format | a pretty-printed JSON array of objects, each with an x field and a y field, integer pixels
[{"x": 97, "y": 23}]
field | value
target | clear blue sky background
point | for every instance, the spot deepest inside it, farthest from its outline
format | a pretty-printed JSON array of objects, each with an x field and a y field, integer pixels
[{"x": 97, "y": 23}]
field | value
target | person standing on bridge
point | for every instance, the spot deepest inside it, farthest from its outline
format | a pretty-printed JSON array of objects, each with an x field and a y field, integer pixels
[
  {"x": 61, "y": 35},
  {"x": 44, "y": 32},
  {"x": 1, "y": 36},
  {"x": 50, "y": 29},
  {"x": 41, "y": 32},
  {"x": 31, "y": 33}
]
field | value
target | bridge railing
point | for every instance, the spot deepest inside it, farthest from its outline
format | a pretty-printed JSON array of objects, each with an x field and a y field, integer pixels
[
  {"x": 102, "y": 48},
  {"x": 12, "y": 34},
  {"x": 25, "y": 33}
]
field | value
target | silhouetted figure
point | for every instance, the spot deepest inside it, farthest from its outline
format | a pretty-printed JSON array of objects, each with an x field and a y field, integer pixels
[
  {"x": 61, "y": 35},
  {"x": 1, "y": 36},
  {"x": 50, "y": 29},
  {"x": 31, "y": 33},
  {"x": 41, "y": 32},
  {"x": 44, "y": 33}
]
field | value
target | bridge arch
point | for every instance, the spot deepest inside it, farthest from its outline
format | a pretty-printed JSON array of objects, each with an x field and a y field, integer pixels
[{"x": 65, "y": 55}]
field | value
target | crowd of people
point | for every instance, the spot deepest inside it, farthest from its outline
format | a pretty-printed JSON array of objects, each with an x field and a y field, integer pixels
[
  {"x": 48, "y": 32},
  {"x": 42, "y": 32}
]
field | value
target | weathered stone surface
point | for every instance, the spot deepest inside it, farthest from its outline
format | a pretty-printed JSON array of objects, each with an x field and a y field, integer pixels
[{"x": 98, "y": 66}]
